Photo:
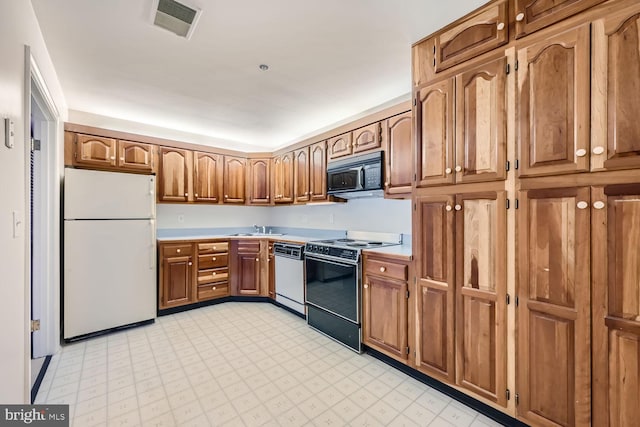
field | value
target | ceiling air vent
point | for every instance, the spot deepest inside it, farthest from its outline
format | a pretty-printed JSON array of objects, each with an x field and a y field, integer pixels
[{"x": 176, "y": 17}]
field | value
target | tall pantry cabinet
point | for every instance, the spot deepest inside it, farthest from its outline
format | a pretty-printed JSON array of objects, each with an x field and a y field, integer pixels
[{"x": 527, "y": 209}]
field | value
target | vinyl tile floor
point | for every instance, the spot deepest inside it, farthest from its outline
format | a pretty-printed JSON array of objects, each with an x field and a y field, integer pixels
[{"x": 238, "y": 364}]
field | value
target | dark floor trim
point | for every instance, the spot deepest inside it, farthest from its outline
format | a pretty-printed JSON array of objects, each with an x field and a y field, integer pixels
[
  {"x": 36, "y": 385},
  {"x": 108, "y": 331},
  {"x": 465, "y": 399},
  {"x": 289, "y": 309},
  {"x": 182, "y": 308}
]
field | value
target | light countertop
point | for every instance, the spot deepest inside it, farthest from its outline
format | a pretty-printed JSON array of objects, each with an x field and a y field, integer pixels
[{"x": 403, "y": 251}]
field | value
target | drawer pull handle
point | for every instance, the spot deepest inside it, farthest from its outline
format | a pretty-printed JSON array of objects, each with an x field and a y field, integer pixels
[
  {"x": 383, "y": 269},
  {"x": 598, "y": 205},
  {"x": 520, "y": 17}
]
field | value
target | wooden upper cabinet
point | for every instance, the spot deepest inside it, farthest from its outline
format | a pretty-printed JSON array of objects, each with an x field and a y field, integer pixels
[
  {"x": 173, "y": 175},
  {"x": 485, "y": 30},
  {"x": 616, "y": 305},
  {"x": 554, "y": 104},
  {"x": 339, "y": 146},
  {"x": 399, "y": 154},
  {"x": 301, "y": 175},
  {"x": 367, "y": 138},
  {"x": 207, "y": 177},
  {"x": 259, "y": 181},
  {"x": 283, "y": 178},
  {"x": 434, "y": 124},
  {"x": 234, "y": 181},
  {"x": 95, "y": 151},
  {"x": 554, "y": 364},
  {"x": 135, "y": 156},
  {"x": 532, "y": 15},
  {"x": 481, "y": 122},
  {"x": 318, "y": 171},
  {"x": 481, "y": 289},
  {"x": 435, "y": 263},
  {"x": 615, "y": 115}
]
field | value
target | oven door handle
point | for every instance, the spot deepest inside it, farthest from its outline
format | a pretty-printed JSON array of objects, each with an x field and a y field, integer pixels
[{"x": 331, "y": 260}]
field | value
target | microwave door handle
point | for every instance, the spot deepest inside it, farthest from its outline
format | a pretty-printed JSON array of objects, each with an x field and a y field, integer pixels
[{"x": 362, "y": 178}]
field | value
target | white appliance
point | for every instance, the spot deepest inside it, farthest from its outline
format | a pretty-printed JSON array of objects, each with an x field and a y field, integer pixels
[
  {"x": 109, "y": 251},
  {"x": 290, "y": 275}
]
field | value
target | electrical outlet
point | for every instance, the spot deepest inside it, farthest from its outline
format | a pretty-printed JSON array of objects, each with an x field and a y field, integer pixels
[{"x": 181, "y": 218}]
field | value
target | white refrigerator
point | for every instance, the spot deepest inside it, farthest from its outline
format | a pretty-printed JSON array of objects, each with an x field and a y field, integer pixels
[{"x": 109, "y": 251}]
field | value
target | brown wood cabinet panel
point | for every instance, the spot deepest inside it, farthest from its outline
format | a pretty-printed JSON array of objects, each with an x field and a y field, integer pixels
[
  {"x": 434, "y": 124},
  {"x": 615, "y": 142},
  {"x": 301, "y": 175},
  {"x": 211, "y": 291},
  {"x": 272, "y": 271},
  {"x": 212, "y": 275},
  {"x": 135, "y": 156},
  {"x": 95, "y": 151},
  {"x": 176, "y": 275},
  {"x": 212, "y": 260},
  {"x": 554, "y": 363},
  {"x": 234, "y": 181},
  {"x": 174, "y": 175},
  {"x": 616, "y": 304},
  {"x": 481, "y": 324},
  {"x": 553, "y": 103},
  {"x": 339, "y": 146},
  {"x": 386, "y": 268},
  {"x": 318, "y": 171},
  {"x": 245, "y": 268},
  {"x": 532, "y": 15},
  {"x": 211, "y": 248},
  {"x": 367, "y": 138},
  {"x": 207, "y": 177},
  {"x": 435, "y": 264},
  {"x": 485, "y": 30},
  {"x": 259, "y": 181},
  {"x": 398, "y": 176},
  {"x": 283, "y": 178},
  {"x": 481, "y": 122},
  {"x": 384, "y": 325}
]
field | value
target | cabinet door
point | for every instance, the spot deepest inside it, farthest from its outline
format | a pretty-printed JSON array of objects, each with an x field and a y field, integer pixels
[
  {"x": 553, "y": 90},
  {"x": 399, "y": 143},
  {"x": 384, "y": 324},
  {"x": 94, "y": 151},
  {"x": 367, "y": 138},
  {"x": 283, "y": 178},
  {"x": 301, "y": 175},
  {"x": 174, "y": 174},
  {"x": 434, "y": 125},
  {"x": 177, "y": 284},
  {"x": 245, "y": 268},
  {"x": 339, "y": 146},
  {"x": 616, "y": 305},
  {"x": 434, "y": 245},
  {"x": 259, "y": 175},
  {"x": 481, "y": 122},
  {"x": 554, "y": 364},
  {"x": 135, "y": 156},
  {"x": 234, "y": 179},
  {"x": 484, "y": 31},
  {"x": 616, "y": 91},
  {"x": 272, "y": 271},
  {"x": 207, "y": 177},
  {"x": 318, "y": 171},
  {"x": 532, "y": 15},
  {"x": 481, "y": 327}
]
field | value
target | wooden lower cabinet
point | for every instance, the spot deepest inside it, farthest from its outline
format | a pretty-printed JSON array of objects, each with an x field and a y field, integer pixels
[
  {"x": 248, "y": 268},
  {"x": 213, "y": 270},
  {"x": 176, "y": 275},
  {"x": 271, "y": 265},
  {"x": 385, "y": 297}
]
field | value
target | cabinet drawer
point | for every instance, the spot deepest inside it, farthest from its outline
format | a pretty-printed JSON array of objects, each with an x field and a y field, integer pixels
[
  {"x": 386, "y": 269},
  {"x": 216, "y": 290},
  {"x": 249, "y": 246},
  {"x": 176, "y": 250},
  {"x": 212, "y": 248},
  {"x": 215, "y": 260},
  {"x": 213, "y": 275}
]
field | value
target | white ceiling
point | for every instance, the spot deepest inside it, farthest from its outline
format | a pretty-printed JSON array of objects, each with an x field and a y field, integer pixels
[{"x": 329, "y": 60}]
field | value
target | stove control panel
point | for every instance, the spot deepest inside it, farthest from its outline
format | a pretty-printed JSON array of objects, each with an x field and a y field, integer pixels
[{"x": 350, "y": 254}]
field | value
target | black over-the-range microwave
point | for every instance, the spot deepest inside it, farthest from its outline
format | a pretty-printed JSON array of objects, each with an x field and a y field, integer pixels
[{"x": 356, "y": 177}]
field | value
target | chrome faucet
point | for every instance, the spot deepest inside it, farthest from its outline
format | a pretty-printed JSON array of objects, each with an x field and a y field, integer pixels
[{"x": 257, "y": 229}]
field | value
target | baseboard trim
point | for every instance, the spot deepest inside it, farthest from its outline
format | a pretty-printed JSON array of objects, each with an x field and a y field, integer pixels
[{"x": 41, "y": 374}]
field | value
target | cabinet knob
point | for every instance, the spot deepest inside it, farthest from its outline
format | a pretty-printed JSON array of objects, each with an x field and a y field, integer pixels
[
  {"x": 386, "y": 184},
  {"x": 447, "y": 171},
  {"x": 226, "y": 196},
  {"x": 186, "y": 194},
  {"x": 458, "y": 207},
  {"x": 257, "y": 259},
  {"x": 582, "y": 205},
  {"x": 366, "y": 285},
  {"x": 190, "y": 263},
  {"x": 178, "y": 250},
  {"x": 214, "y": 258},
  {"x": 196, "y": 195},
  {"x": 122, "y": 159},
  {"x": 214, "y": 273},
  {"x": 311, "y": 193},
  {"x": 598, "y": 150},
  {"x": 213, "y": 288},
  {"x": 383, "y": 269},
  {"x": 267, "y": 197},
  {"x": 500, "y": 26},
  {"x": 113, "y": 157},
  {"x": 581, "y": 152},
  {"x": 458, "y": 168},
  {"x": 520, "y": 17},
  {"x": 448, "y": 208},
  {"x": 598, "y": 205}
]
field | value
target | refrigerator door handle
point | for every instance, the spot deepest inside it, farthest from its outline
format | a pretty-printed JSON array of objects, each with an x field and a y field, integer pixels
[{"x": 152, "y": 257}]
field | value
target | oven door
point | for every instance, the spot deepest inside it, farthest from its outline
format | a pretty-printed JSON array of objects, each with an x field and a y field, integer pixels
[{"x": 333, "y": 287}]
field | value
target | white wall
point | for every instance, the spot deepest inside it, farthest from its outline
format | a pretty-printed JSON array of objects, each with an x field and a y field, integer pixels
[
  {"x": 207, "y": 216},
  {"x": 18, "y": 27}
]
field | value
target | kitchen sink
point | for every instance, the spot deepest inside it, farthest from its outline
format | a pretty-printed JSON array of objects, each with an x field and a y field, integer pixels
[{"x": 255, "y": 234}]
